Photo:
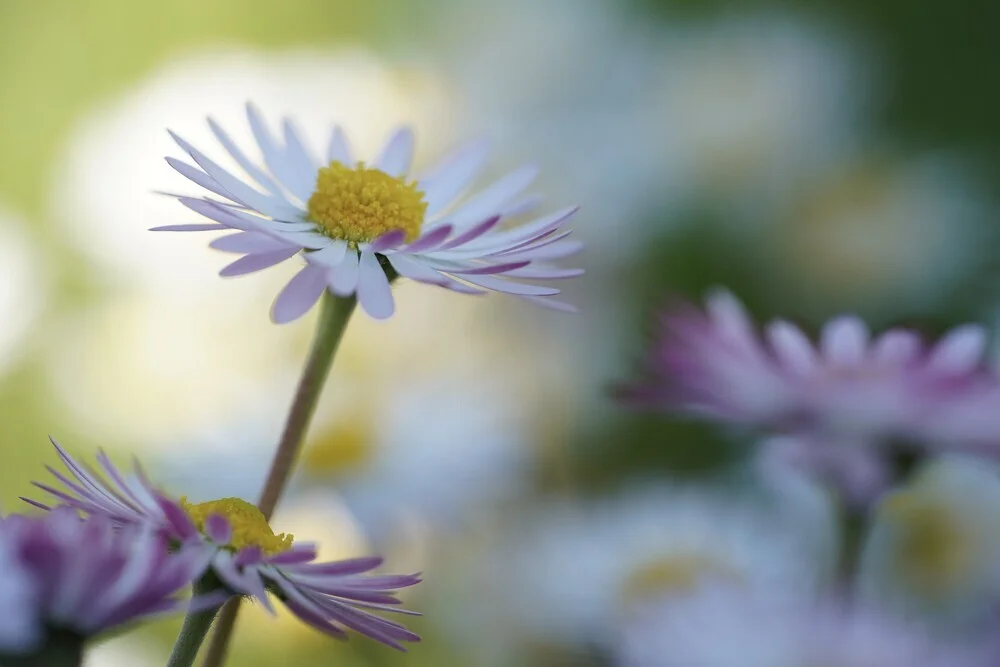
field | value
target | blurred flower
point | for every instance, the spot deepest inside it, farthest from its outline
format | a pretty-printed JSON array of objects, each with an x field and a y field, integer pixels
[
  {"x": 727, "y": 112},
  {"x": 726, "y": 627},
  {"x": 23, "y": 287},
  {"x": 74, "y": 578},
  {"x": 406, "y": 405},
  {"x": 233, "y": 538},
  {"x": 581, "y": 568},
  {"x": 391, "y": 464},
  {"x": 352, "y": 223},
  {"x": 750, "y": 106},
  {"x": 882, "y": 234},
  {"x": 849, "y": 391},
  {"x": 859, "y": 473},
  {"x": 935, "y": 544}
]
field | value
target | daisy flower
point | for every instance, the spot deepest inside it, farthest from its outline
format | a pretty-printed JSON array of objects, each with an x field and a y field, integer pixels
[
  {"x": 353, "y": 222},
  {"x": 639, "y": 547},
  {"x": 849, "y": 388},
  {"x": 726, "y": 627},
  {"x": 67, "y": 577},
  {"x": 934, "y": 545},
  {"x": 242, "y": 551}
]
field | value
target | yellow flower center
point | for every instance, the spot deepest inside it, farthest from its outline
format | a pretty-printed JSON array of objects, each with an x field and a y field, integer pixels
[
  {"x": 348, "y": 446},
  {"x": 935, "y": 551},
  {"x": 677, "y": 574},
  {"x": 358, "y": 205},
  {"x": 248, "y": 524}
]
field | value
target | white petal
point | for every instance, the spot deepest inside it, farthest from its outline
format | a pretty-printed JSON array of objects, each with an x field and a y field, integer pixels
[
  {"x": 343, "y": 278},
  {"x": 236, "y": 188},
  {"x": 275, "y": 158},
  {"x": 896, "y": 347},
  {"x": 330, "y": 256},
  {"x": 960, "y": 351},
  {"x": 792, "y": 347},
  {"x": 489, "y": 201},
  {"x": 253, "y": 170},
  {"x": 510, "y": 287},
  {"x": 299, "y": 295},
  {"x": 374, "y": 291},
  {"x": 844, "y": 340},
  {"x": 339, "y": 150},
  {"x": 414, "y": 269},
  {"x": 301, "y": 162},
  {"x": 453, "y": 175},
  {"x": 396, "y": 156},
  {"x": 247, "y": 242}
]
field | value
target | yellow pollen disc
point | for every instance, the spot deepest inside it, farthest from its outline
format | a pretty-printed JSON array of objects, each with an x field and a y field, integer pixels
[
  {"x": 249, "y": 526},
  {"x": 677, "y": 574},
  {"x": 360, "y": 204},
  {"x": 935, "y": 554},
  {"x": 347, "y": 446}
]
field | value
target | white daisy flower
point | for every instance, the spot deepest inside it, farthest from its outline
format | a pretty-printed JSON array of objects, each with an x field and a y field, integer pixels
[
  {"x": 156, "y": 316},
  {"x": 935, "y": 544},
  {"x": 23, "y": 290},
  {"x": 580, "y": 569},
  {"x": 888, "y": 234},
  {"x": 352, "y": 222},
  {"x": 723, "y": 627}
]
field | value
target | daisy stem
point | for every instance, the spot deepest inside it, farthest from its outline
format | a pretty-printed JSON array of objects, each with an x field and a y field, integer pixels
[
  {"x": 193, "y": 633},
  {"x": 335, "y": 312}
]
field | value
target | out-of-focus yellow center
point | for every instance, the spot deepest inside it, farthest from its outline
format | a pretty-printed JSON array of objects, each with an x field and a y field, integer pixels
[
  {"x": 359, "y": 204},
  {"x": 250, "y": 528},
  {"x": 677, "y": 574},
  {"x": 935, "y": 553},
  {"x": 347, "y": 446}
]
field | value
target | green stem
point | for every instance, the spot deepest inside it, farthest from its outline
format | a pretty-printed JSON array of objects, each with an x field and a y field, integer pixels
[
  {"x": 196, "y": 625},
  {"x": 334, "y": 314}
]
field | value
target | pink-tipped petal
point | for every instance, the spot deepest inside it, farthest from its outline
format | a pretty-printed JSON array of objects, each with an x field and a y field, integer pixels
[
  {"x": 257, "y": 262},
  {"x": 299, "y": 295},
  {"x": 844, "y": 340}
]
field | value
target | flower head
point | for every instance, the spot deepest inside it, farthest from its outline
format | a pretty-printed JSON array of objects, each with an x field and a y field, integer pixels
[
  {"x": 83, "y": 576},
  {"x": 352, "y": 222},
  {"x": 935, "y": 542},
  {"x": 848, "y": 388},
  {"x": 235, "y": 541},
  {"x": 726, "y": 627}
]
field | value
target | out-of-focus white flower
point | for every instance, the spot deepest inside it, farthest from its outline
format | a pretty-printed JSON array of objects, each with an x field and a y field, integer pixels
[
  {"x": 576, "y": 570},
  {"x": 566, "y": 74},
  {"x": 882, "y": 233},
  {"x": 125, "y": 651},
  {"x": 407, "y": 405},
  {"x": 748, "y": 107},
  {"x": 166, "y": 336},
  {"x": 23, "y": 287},
  {"x": 730, "y": 112},
  {"x": 935, "y": 544},
  {"x": 726, "y": 627}
]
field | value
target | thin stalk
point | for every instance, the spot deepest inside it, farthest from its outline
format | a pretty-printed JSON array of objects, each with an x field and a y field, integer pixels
[
  {"x": 335, "y": 312},
  {"x": 193, "y": 633}
]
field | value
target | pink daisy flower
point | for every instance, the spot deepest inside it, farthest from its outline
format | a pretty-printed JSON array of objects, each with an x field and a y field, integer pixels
[
  {"x": 356, "y": 224},
  {"x": 247, "y": 557},
  {"x": 848, "y": 387},
  {"x": 73, "y": 578}
]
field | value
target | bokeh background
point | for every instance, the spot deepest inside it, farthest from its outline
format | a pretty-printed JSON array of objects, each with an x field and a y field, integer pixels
[{"x": 815, "y": 157}]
